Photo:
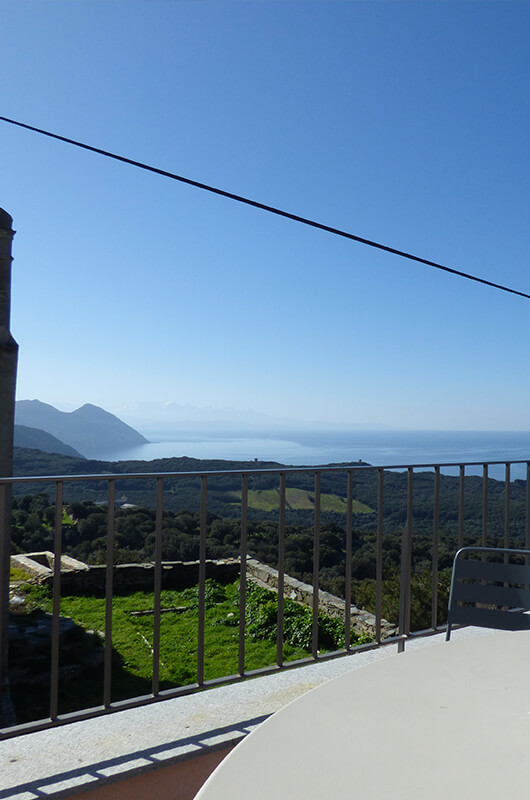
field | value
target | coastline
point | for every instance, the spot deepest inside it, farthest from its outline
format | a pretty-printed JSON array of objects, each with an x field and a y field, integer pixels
[{"x": 307, "y": 448}]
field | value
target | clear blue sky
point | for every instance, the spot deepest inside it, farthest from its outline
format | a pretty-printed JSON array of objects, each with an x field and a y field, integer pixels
[{"x": 404, "y": 122}]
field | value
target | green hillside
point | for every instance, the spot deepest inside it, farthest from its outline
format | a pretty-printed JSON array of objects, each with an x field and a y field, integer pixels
[{"x": 301, "y": 499}]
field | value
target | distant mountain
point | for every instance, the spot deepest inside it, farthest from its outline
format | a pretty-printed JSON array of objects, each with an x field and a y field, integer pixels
[
  {"x": 36, "y": 439},
  {"x": 154, "y": 415},
  {"x": 90, "y": 430}
]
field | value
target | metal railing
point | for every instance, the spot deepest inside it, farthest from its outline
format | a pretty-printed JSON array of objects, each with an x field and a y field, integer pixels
[{"x": 375, "y": 478}]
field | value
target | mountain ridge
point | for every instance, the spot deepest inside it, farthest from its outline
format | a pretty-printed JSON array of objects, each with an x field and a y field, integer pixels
[
  {"x": 37, "y": 439},
  {"x": 89, "y": 429}
]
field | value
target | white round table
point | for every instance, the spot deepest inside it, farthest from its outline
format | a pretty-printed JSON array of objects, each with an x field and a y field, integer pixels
[{"x": 450, "y": 720}]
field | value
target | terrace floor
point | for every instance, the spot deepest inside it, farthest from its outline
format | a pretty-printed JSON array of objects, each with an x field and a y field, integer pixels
[{"x": 136, "y": 748}]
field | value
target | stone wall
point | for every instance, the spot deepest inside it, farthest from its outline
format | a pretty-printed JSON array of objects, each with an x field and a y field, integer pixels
[
  {"x": 80, "y": 578},
  {"x": 135, "y": 577},
  {"x": 40, "y": 565},
  {"x": 361, "y": 621}
]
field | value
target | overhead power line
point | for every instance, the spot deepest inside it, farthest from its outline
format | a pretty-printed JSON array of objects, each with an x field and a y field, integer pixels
[{"x": 271, "y": 209}]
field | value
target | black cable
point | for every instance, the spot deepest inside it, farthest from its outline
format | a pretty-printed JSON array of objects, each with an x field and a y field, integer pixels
[{"x": 271, "y": 209}]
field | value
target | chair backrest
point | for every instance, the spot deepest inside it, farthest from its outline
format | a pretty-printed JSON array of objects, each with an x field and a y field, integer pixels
[{"x": 489, "y": 593}]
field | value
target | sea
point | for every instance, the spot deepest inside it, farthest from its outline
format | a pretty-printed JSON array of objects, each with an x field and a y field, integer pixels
[{"x": 388, "y": 448}]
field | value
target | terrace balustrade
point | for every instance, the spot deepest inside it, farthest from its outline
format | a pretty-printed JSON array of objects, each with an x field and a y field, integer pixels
[{"x": 61, "y": 487}]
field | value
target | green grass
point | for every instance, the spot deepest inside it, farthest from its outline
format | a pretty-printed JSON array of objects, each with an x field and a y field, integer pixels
[
  {"x": 132, "y": 639},
  {"x": 67, "y": 519},
  {"x": 18, "y": 574},
  {"x": 132, "y": 636},
  {"x": 301, "y": 499}
]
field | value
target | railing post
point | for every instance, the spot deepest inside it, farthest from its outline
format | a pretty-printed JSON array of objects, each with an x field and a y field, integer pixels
[
  {"x": 109, "y": 592},
  {"x": 527, "y": 509},
  {"x": 484, "y": 540},
  {"x": 243, "y": 554},
  {"x": 435, "y": 545},
  {"x": 281, "y": 571},
  {"x": 155, "y": 686},
  {"x": 56, "y": 608},
  {"x": 8, "y": 371},
  {"x": 202, "y": 579},
  {"x": 316, "y": 565},
  {"x": 507, "y": 512},
  {"x": 347, "y": 576},
  {"x": 379, "y": 554},
  {"x": 461, "y": 498},
  {"x": 406, "y": 567}
]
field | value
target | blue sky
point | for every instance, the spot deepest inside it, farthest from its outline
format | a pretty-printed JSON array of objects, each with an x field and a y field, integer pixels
[{"x": 404, "y": 122}]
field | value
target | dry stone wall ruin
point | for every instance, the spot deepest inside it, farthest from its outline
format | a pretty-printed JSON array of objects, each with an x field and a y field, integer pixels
[{"x": 80, "y": 578}]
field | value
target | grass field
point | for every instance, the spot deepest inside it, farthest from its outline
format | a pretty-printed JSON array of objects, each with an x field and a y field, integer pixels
[
  {"x": 300, "y": 499},
  {"x": 132, "y": 634},
  {"x": 132, "y": 641}
]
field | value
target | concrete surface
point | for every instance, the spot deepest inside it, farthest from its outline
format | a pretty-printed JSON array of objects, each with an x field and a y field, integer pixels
[
  {"x": 452, "y": 720},
  {"x": 76, "y": 757}
]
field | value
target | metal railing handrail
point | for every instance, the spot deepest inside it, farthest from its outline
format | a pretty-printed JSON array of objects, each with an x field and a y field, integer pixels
[
  {"x": 260, "y": 471},
  {"x": 111, "y": 479}
]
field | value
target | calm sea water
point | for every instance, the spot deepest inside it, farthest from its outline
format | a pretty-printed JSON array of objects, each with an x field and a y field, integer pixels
[{"x": 380, "y": 448}]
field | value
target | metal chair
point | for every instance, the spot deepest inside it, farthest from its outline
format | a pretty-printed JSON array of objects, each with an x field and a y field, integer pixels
[{"x": 489, "y": 594}]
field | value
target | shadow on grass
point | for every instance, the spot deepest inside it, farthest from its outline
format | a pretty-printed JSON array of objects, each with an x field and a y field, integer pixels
[{"x": 81, "y": 670}]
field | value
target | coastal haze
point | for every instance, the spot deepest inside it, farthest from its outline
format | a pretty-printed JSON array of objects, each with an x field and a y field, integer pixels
[{"x": 101, "y": 435}]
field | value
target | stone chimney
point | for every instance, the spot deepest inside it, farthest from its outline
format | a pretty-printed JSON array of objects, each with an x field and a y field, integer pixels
[
  {"x": 6, "y": 237},
  {"x": 8, "y": 349}
]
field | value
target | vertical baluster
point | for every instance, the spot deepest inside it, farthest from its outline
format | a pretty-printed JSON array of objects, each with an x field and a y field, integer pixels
[
  {"x": 406, "y": 561},
  {"x": 157, "y": 584},
  {"x": 461, "y": 486},
  {"x": 379, "y": 554},
  {"x": 243, "y": 575},
  {"x": 435, "y": 545},
  {"x": 316, "y": 565},
  {"x": 507, "y": 510},
  {"x": 347, "y": 581},
  {"x": 55, "y": 640},
  {"x": 484, "y": 541},
  {"x": 109, "y": 590},
  {"x": 281, "y": 572},
  {"x": 527, "y": 512},
  {"x": 202, "y": 580}
]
